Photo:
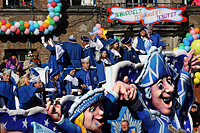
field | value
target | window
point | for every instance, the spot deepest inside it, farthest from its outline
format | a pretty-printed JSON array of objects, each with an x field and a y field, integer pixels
[
  {"x": 21, "y": 53},
  {"x": 81, "y": 2},
  {"x": 132, "y": 3},
  {"x": 18, "y": 3}
]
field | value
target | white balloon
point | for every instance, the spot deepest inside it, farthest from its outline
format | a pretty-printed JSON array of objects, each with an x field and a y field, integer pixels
[
  {"x": 8, "y": 32},
  {"x": 36, "y": 32},
  {"x": 55, "y": 26},
  {"x": 40, "y": 23},
  {"x": 17, "y": 24},
  {"x": 60, "y": 16}
]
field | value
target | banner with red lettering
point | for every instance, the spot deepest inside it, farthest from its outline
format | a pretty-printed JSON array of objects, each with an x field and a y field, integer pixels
[{"x": 146, "y": 15}]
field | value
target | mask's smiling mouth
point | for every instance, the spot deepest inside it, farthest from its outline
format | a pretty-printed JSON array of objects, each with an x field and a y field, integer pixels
[
  {"x": 101, "y": 122},
  {"x": 167, "y": 101}
]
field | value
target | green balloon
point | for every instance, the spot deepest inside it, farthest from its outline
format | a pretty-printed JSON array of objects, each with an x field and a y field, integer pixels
[
  {"x": 52, "y": 22},
  {"x": 181, "y": 47},
  {"x": 22, "y": 28},
  {"x": 12, "y": 23},
  {"x": 181, "y": 44},
  {"x": 57, "y": 14},
  {"x": 187, "y": 35},
  {"x": 31, "y": 33},
  {"x": 50, "y": 32},
  {"x": 21, "y": 22},
  {"x": 36, "y": 25},
  {"x": 59, "y": 4},
  {"x": 57, "y": 9},
  {"x": 2, "y": 32},
  {"x": 118, "y": 39},
  {"x": 21, "y": 34}
]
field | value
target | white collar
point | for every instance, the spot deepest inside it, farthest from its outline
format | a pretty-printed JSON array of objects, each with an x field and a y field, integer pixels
[
  {"x": 106, "y": 61},
  {"x": 116, "y": 53},
  {"x": 87, "y": 46},
  {"x": 74, "y": 80}
]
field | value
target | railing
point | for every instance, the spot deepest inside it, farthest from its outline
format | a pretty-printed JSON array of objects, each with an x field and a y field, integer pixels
[{"x": 103, "y": 14}]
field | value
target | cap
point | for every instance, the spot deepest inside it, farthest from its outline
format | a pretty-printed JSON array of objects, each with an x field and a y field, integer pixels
[
  {"x": 149, "y": 26},
  {"x": 86, "y": 59},
  {"x": 72, "y": 37},
  {"x": 5, "y": 57}
]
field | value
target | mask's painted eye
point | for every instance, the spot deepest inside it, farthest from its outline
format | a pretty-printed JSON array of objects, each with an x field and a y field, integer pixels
[
  {"x": 160, "y": 86},
  {"x": 169, "y": 80},
  {"x": 92, "y": 109}
]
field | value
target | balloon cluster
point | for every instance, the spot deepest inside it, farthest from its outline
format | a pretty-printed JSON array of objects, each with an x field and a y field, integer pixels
[
  {"x": 190, "y": 37},
  {"x": 197, "y": 78},
  {"x": 33, "y": 27},
  {"x": 101, "y": 31}
]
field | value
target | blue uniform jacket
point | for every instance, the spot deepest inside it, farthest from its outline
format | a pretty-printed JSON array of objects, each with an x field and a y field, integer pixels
[
  {"x": 130, "y": 55},
  {"x": 157, "y": 40},
  {"x": 90, "y": 52},
  {"x": 140, "y": 44},
  {"x": 113, "y": 59}
]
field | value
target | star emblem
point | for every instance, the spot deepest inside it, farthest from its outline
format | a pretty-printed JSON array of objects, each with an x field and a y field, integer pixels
[
  {"x": 184, "y": 122},
  {"x": 54, "y": 129},
  {"x": 46, "y": 122},
  {"x": 129, "y": 71},
  {"x": 14, "y": 118},
  {"x": 188, "y": 129},
  {"x": 4, "y": 124},
  {"x": 131, "y": 80},
  {"x": 174, "y": 61},
  {"x": 25, "y": 123},
  {"x": 184, "y": 113}
]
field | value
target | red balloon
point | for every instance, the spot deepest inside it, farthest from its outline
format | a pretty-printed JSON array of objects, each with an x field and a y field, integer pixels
[
  {"x": 54, "y": 4},
  {"x": 41, "y": 28},
  {"x": 17, "y": 31},
  {"x": 3, "y": 22}
]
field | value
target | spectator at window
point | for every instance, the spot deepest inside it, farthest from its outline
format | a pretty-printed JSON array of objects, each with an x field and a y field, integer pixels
[
  {"x": 71, "y": 82},
  {"x": 29, "y": 63},
  {"x": 14, "y": 64},
  {"x": 128, "y": 51},
  {"x": 125, "y": 127},
  {"x": 36, "y": 59},
  {"x": 87, "y": 78},
  {"x": 3, "y": 65}
]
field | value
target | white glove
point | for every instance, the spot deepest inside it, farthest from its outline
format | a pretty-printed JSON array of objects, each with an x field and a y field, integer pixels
[
  {"x": 50, "y": 41},
  {"x": 143, "y": 52},
  {"x": 43, "y": 39}
]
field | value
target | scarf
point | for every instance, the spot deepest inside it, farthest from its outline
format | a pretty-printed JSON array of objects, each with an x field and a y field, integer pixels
[
  {"x": 74, "y": 80},
  {"x": 116, "y": 53}
]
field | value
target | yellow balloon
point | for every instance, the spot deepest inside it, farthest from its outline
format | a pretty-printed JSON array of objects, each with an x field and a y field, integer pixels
[
  {"x": 196, "y": 74},
  {"x": 47, "y": 21},
  {"x": 196, "y": 45},
  {"x": 196, "y": 81},
  {"x": 175, "y": 49},
  {"x": 104, "y": 32},
  {"x": 49, "y": 18}
]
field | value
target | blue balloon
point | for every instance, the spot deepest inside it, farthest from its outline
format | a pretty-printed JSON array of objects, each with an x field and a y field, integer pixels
[
  {"x": 50, "y": 1},
  {"x": 31, "y": 22},
  {"x": 51, "y": 14},
  {"x": 50, "y": 9},
  {"x": 185, "y": 39},
  {"x": 187, "y": 48},
  {"x": 46, "y": 31},
  {"x": 95, "y": 28},
  {"x": 58, "y": 23},
  {"x": 57, "y": 1},
  {"x": 190, "y": 38},
  {"x": 187, "y": 43},
  {"x": 15, "y": 21},
  {"x": 31, "y": 28},
  {"x": 197, "y": 35},
  {"x": 50, "y": 28},
  {"x": 41, "y": 33},
  {"x": 12, "y": 33}
]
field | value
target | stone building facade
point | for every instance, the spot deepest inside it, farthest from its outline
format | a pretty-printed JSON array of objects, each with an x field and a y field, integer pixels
[{"x": 79, "y": 20}]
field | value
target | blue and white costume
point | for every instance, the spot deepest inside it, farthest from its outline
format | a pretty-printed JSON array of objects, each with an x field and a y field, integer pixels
[{"x": 74, "y": 51}]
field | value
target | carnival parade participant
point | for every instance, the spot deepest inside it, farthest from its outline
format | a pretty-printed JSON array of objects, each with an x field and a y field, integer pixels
[
  {"x": 29, "y": 63},
  {"x": 71, "y": 82},
  {"x": 128, "y": 52},
  {"x": 114, "y": 51},
  {"x": 87, "y": 78}
]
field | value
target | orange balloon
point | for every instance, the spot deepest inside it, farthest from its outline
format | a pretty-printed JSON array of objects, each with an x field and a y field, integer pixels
[
  {"x": 8, "y": 25},
  {"x": 197, "y": 30},
  {"x": 26, "y": 25},
  {"x": 102, "y": 29},
  {"x": 45, "y": 25},
  {"x": 102, "y": 36}
]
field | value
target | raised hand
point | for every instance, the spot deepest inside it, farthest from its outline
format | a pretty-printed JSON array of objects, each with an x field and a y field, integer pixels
[
  {"x": 190, "y": 61},
  {"x": 54, "y": 110}
]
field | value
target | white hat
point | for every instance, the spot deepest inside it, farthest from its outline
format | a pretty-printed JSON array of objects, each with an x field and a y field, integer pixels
[
  {"x": 7, "y": 71},
  {"x": 72, "y": 37},
  {"x": 35, "y": 79},
  {"x": 149, "y": 26},
  {"x": 86, "y": 59},
  {"x": 93, "y": 33}
]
